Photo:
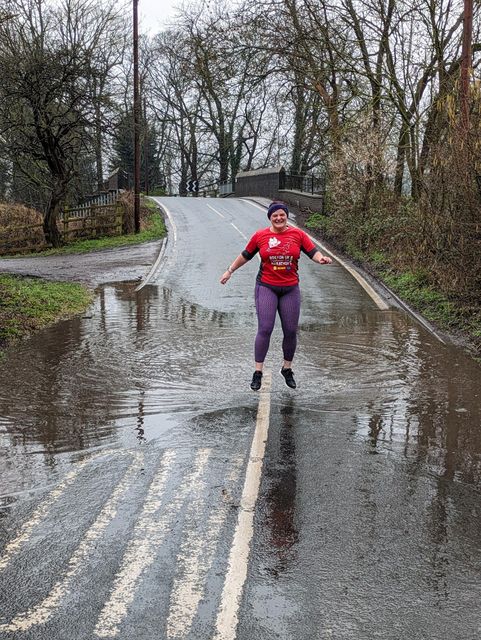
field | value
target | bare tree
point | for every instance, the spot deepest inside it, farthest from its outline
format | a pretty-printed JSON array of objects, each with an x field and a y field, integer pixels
[{"x": 47, "y": 54}]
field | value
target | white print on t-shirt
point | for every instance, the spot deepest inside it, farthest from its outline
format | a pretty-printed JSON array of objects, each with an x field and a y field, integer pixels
[
  {"x": 281, "y": 263},
  {"x": 273, "y": 242}
]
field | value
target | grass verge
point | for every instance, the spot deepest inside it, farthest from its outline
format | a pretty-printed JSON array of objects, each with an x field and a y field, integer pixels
[
  {"x": 29, "y": 304},
  {"x": 448, "y": 314},
  {"x": 413, "y": 287}
]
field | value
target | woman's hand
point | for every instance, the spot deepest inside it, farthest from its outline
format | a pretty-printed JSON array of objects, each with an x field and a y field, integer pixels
[
  {"x": 225, "y": 277},
  {"x": 238, "y": 262},
  {"x": 320, "y": 259}
]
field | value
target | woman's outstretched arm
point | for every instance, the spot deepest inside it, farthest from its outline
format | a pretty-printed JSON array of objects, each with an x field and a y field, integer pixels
[{"x": 238, "y": 262}]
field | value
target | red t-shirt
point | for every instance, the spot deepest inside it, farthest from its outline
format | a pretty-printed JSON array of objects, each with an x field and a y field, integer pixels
[{"x": 279, "y": 254}]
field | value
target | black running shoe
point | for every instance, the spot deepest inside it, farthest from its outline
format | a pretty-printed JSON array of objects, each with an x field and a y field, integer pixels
[
  {"x": 256, "y": 381},
  {"x": 289, "y": 377}
]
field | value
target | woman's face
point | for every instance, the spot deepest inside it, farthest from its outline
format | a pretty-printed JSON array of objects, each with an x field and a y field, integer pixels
[{"x": 279, "y": 219}]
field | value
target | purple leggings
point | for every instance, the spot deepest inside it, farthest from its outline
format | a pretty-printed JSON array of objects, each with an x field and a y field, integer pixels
[{"x": 286, "y": 300}]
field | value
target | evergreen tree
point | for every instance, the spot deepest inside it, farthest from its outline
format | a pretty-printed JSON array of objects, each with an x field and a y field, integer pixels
[{"x": 123, "y": 151}]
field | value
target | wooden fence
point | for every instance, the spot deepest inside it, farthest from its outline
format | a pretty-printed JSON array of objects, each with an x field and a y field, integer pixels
[
  {"x": 95, "y": 221},
  {"x": 98, "y": 220}
]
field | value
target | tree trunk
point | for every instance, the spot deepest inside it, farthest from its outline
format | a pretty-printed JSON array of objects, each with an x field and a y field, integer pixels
[
  {"x": 299, "y": 132},
  {"x": 183, "y": 180},
  {"x": 400, "y": 161},
  {"x": 224, "y": 145},
  {"x": 193, "y": 155},
  {"x": 50, "y": 229},
  {"x": 98, "y": 149},
  {"x": 331, "y": 105},
  {"x": 236, "y": 155},
  {"x": 413, "y": 165}
]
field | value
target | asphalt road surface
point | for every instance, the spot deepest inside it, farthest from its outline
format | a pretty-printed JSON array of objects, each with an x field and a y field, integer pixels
[{"x": 148, "y": 493}]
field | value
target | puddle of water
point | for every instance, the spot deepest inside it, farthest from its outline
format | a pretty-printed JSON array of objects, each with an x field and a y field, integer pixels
[
  {"x": 140, "y": 363},
  {"x": 373, "y": 469},
  {"x": 404, "y": 392},
  {"x": 279, "y": 526},
  {"x": 125, "y": 374}
]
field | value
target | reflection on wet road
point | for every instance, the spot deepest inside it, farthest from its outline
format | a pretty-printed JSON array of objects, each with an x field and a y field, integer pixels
[{"x": 124, "y": 443}]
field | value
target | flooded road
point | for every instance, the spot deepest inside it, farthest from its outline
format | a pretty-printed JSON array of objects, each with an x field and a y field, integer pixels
[{"x": 124, "y": 448}]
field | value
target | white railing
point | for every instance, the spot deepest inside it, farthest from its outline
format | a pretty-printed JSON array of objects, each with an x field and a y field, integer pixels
[
  {"x": 84, "y": 210},
  {"x": 225, "y": 188}
]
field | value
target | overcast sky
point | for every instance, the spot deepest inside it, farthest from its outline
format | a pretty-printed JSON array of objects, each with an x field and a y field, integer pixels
[{"x": 155, "y": 14}]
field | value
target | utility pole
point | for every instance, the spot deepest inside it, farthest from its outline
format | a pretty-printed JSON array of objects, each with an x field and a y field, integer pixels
[
  {"x": 146, "y": 149},
  {"x": 136, "y": 119},
  {"x": 466, "y": 64}
]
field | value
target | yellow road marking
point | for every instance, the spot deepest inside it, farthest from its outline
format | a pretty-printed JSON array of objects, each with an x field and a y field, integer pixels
[
  {"x": 149, "y": 534},
  {"x": 227, "y": 618},
  {"x": 42, "y": 612},
  {"x": 195, "y": 559}
]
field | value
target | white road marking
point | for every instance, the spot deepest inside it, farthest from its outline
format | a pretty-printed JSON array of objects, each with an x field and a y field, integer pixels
[
  {"x": 196, "y": 555},
  {"x": 215, "y": 211},
  {"x": 381, "y": 304},
  {"x": 232, "y": 224},
  {"x": 244, "y": 236},
  {"x": 227, "y": 618},
  {"x": 149, "y": 533},
  {"x": 13, "y": 547},
  {"x": 42, "y": 612},
  {"x": 156, "y": 264}
]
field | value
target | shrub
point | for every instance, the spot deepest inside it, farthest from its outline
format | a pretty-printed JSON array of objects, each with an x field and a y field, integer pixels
[
  {"x": 318, "y": 222},
  {"x": 157, "y": 191},
  {"x": 14, "y": 215}
]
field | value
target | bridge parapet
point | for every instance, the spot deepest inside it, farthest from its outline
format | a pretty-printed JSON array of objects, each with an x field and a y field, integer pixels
[{"x": 303, "y": 191}]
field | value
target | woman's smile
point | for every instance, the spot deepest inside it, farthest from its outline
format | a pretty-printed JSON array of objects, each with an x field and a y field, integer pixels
[{"x": 278, "y": 220}]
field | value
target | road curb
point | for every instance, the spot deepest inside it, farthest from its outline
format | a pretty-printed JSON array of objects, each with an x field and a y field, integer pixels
[{"x": 167, "y": 217}]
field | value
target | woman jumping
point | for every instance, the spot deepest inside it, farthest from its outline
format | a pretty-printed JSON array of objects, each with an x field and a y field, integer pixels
[{"x": 277, "y": 285}]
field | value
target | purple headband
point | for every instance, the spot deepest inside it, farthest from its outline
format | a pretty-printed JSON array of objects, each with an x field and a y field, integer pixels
[{"x": 274, "y": 206}]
